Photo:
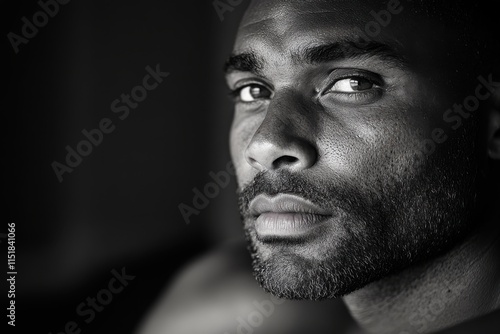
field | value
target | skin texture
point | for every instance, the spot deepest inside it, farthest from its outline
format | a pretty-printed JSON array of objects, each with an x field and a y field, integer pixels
[{"x": 407, "y": 229}]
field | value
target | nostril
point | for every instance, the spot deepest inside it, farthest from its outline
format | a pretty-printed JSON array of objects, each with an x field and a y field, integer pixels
[
  {"x": 266, "y": 154},
  {"x": 254, "y": 163},
  {"x": 284, "y": 160}
]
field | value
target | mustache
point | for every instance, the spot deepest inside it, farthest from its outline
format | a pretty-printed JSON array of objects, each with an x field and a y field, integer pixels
[{"x": 336, "y": 193}]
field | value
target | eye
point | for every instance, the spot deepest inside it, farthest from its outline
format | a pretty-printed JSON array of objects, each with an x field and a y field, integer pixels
[
  {"x": 352, "y": 85},
  {"x": 252, "y": 93},
  {"x": 358, "y": 88}
]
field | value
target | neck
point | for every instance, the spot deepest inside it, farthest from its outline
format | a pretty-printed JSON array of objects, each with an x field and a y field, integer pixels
[{"x": 460, "y": 285}]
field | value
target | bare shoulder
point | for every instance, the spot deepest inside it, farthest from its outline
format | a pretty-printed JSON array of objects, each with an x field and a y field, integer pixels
[{"x": 218, "y": 294}]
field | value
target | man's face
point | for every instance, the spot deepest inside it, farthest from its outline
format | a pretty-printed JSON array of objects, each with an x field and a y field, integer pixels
[{"x": 327, "y": 141}]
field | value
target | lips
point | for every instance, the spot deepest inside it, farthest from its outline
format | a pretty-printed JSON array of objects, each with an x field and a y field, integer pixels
[{"x": 285, "y": 216}]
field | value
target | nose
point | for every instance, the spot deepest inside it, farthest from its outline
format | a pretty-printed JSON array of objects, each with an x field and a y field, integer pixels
[{"x": 281, "y": 141}]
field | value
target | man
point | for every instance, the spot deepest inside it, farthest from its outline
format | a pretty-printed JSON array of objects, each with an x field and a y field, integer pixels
[{"x": 366, "y": 142}]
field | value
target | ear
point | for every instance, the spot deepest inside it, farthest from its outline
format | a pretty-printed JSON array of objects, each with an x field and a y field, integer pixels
[{"x": 494, "y": 126}]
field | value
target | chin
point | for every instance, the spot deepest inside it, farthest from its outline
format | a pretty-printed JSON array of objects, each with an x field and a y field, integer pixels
[{"x": 293, "y": 271}]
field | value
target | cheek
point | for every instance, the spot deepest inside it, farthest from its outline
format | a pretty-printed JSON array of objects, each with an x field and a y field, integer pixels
[{"x": 373, "y": 148}]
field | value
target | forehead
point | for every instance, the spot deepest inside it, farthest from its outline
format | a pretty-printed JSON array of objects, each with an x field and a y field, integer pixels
[
  {"x": 283, "y": 27},
  {"x": 287, "y": 20}
]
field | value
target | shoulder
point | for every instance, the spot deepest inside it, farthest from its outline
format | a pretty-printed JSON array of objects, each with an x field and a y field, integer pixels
[{"x": 218, "y": 294}]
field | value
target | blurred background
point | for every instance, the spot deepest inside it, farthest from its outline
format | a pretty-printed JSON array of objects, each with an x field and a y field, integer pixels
[{"x": 120, "y": 207}]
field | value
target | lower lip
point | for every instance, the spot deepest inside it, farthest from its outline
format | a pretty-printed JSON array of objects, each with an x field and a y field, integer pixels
[{"x": 287, "y": 225}]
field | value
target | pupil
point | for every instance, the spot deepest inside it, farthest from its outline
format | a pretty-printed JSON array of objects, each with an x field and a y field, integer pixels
[
  {"x": 255, "y": 92},
  {"x": 360, "y": 84}
]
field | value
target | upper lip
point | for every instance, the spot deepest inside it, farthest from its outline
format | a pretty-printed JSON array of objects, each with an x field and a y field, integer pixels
[{"x": 283, "y": 203}]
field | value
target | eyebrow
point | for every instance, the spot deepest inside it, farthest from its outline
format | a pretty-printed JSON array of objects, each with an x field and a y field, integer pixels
[
  {"x": 250, "y": 62},
  {"x": 244, "y": 62},
  {"x": 351, "y": 50}
]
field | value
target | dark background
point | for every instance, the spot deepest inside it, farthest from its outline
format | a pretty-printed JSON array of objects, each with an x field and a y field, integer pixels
[{"x": 119, "y": 207}]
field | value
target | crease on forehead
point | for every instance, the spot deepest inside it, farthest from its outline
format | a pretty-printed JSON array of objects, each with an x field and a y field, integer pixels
[
  {"x": 259, "y": 12},
  {"x": 245, "y": 24}
]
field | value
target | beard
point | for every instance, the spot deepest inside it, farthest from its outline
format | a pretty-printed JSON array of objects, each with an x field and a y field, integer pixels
[{"x": 378, "y": 230}]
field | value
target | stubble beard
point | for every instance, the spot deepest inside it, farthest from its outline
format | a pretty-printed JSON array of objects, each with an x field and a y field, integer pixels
[{"x": 378, "y": 231}]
